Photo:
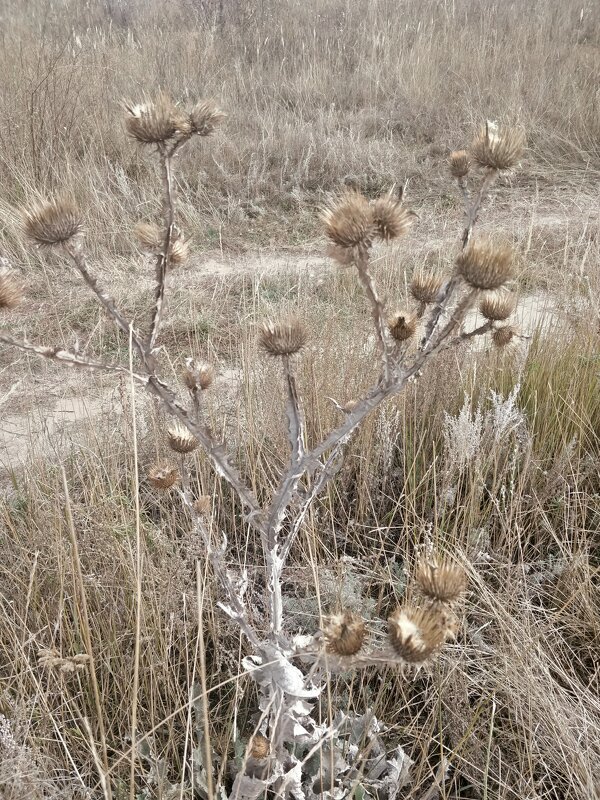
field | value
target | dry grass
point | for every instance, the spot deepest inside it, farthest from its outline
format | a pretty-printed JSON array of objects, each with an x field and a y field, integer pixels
[{"x": 315, "y": 92}]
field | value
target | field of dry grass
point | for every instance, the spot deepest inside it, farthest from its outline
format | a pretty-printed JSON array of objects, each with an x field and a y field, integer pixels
[{"x": 491, "y": 455}]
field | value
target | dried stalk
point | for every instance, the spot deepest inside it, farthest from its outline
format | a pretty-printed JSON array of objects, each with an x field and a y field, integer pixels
[
  {"x": 294, "y": 414},
  {"x": 162, "y": 259},
  {"x": 475, "y": 207},
  {"x": 377, "y": 309}
]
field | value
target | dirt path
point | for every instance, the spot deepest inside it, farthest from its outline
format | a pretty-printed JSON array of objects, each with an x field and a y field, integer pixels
[{"x": 46, "y": 415}]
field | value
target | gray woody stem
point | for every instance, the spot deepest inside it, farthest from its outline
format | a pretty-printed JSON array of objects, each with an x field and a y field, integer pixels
[
  {"x": 163, "y": 258},
  {"x": 377, "y": 309}
]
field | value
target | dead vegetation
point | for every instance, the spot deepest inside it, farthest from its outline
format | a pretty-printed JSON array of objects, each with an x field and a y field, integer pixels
[{"x": 110, "y": 628}]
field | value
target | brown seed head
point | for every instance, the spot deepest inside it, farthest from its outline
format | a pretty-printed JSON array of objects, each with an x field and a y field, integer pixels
[
  {"x": 425, "y": 288},
  {"x": 54, "y": 222},
  {"x": 344, "y": 633},
  {"x": 416, "y": 633},
  {"x": 485, "y": 264},
  {"x": 163, "y": 476},
  {"x": 197, "y": 374},
  {"x": 179, "y": 251},
  {"x": 259, "y": 746},
  {"x": 149, "y": 236},
  {"x": 444, "y": 583},
  {"x": 459, "y": 163},
  {"x": 498, "y": 307},
  {"x": 11, "y": 292},
  {"x": 403, "y": 325},
  {"x": 498, "y": 149},
  {"x": 282, "y": 337},
  {"x": 180, "y": 439},
  {"x": 203, "y": 505},
  {"x": 205, "y": 116},
  {"x": 390, "y": 218},
  {"x": 155, "y": 122},
  {"x": 504, "y": 335},
  {"x": 349, "y": 222}
]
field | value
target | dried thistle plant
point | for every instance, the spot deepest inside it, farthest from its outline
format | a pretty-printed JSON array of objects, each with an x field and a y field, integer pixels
[
  {"x": 345, "y": 633},
  {"x": 163, "y": 476},
  {"x": 353, "y": 226},
  {"x": 498, "y": 307},
  {"x": 485, "y": 264},
  {"x": 443, "y": 583},
  {"x": 498, "y": 149},
  {"x": 416, "y": 633},
  {"x": 52, "y": 223},
  {"x": 283, "y": 337},
  {"x": 11, "y": 292}
]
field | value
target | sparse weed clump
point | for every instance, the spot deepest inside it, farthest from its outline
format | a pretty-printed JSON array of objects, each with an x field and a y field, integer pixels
[{"x": 291, "y": 752}]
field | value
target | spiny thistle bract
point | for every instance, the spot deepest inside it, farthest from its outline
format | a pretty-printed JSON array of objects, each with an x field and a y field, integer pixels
[
  {"x": 282, "y": 337},
  {"x": 163, "y": 476},
  {"x": 425, "y": 288},
  {"x": 53, "y": 222},
  {"x": 485, "y": 264},
  {"x": 499, "y": 150},
  {"x": 11, "y": 292},
  {"x": 443, "y": 583},
  {"x": 156, "y": 122},
  {"x": 501, "y": 337},
  {"x": 349, "y": 224},
  {"x": 204, "y": 117},
  {"x": 344, "y": 633},
  {"x": 391, "y": 220},
  {"x": 416, "y": 633},
  {"x": 180, "y": 439},
  {"x": 459, "y": 164},
  {"x": 403, "y": 325},
  {"x": 498, "y": 307}
]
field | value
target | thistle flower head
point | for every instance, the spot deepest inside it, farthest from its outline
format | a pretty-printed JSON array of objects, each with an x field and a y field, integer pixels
[
  {"x": 497, "y": 149},
  {"x": 344, "y": 633},
  {"x": 444, "y": 583},
  {"x": 390, "y": 218},
  {"x": 149, "y": 236},
  {"x": 498, "y": 306},
  {"x": 53, "y": 222},
  {"x": 349, "y": 222},
  {"x": 425, "y": 288},
  {"x": 203, "y": 505},
  {"x": 403, "y": 325},
  {"x": 503, "y": 336},
  {"x": 163, "y": 475},
  {"x": 260, "y": 746},
  {"x": 151, "y": 239},
  {"x": 282, "y": 337},
  {"x": 180, "y": 439},
  {"x": 485, "y": 264},
  {"x": 156, "y": 122},
  {"x": 416, "y": 633},
  {"x": 179, "y": 251},
  {"x": 204, "y": 117},
  {"x": 11, "y": 292},
  {"x": 459, "y": 163},
  {"x": 197, "y": 374}
]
